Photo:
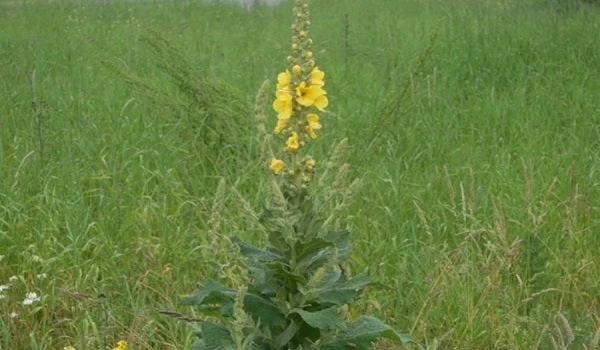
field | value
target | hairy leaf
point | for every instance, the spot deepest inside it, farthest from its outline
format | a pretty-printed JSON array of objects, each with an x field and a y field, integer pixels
[
  {"x": 342, "y": 240},
  {"x": 252, "y": 252},
  {"x": 361, "y": 333},
  {"x": 327, "y": 319},
  {"x": 214, "y": 337},
  {"x": 283, "y": 338},
  {"x": 341, "y": 293},
  {"x": 256, "y": 305}
]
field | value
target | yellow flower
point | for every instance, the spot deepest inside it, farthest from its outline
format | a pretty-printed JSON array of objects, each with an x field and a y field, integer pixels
[
  {"x": 283, "y": 103},
  {"x": 312, "y": 124},
  {"x": 121, "y": 345},
  {"x": 283, "y": 106},
  {"x": 292, "y": 142},
  {"x": 69, "y": 347},
  {"x": 317, "y": 76},
  {"x": 281, "y": 124},
  {"x": 284, "y": 79},
  {"x": 312, "y": 95},
  {"x": 277, "y": 165}
]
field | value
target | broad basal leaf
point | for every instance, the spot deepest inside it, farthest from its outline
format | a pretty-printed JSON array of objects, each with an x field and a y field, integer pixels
[
  {"x": 261, "y": 308},
  {"x": 284, "y": 337},
  {"x": 252, "y": 252},
  {"x": 342, "y": 240},
  {"x": 361, "y": 333},
  {"x": 342, "y": 292},
  {"x": 328, "y": 319},
  {"x": 214, "y": 337},
  {"x": 211, "y": 292}
]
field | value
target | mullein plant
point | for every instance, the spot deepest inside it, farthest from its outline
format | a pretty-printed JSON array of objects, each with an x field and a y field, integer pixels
[{"x": 296, "y": 293}]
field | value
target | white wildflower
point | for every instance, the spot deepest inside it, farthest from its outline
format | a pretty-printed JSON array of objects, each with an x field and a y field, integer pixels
[
  {"x": 42, "y": 276},
  {"x": 13, "y": 278},
  {"x": 4, "y": 287},
  {"x": 30, "y": 298}
]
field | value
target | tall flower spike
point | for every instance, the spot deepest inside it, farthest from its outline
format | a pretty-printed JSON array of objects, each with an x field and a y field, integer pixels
[{"x": 299, "y": 95}]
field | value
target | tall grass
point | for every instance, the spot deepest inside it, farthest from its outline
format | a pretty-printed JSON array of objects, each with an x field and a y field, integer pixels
[{"x": 481, "y": 180}]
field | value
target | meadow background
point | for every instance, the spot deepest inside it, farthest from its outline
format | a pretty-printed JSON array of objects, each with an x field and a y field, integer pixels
[{"x": 475, "y": 126}]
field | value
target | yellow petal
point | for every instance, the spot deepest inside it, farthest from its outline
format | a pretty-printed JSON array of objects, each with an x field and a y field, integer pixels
[
  {"x": 321, "y": 102},
  {"x": 284, "y": 78},
  {"x": 292, "y": 142},
  {"x": 317, "y": 76},
  {"x": 312, "y": 118},
  {"x": 281, "y": 124},
  {"x": 283, "y": 108},
  {"x": 276, "y": 165}
]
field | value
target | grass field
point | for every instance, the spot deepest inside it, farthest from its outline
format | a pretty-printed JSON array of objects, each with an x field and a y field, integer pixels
[{"x": 474, "y": 126}]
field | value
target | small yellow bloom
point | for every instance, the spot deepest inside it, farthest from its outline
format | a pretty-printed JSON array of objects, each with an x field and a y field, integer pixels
[
  {"x": 312, "y": 95},
  {"x": 121, "y": 345},
  {"x": 283, "y": 103},
  {"x": 277, "y": 165},
  {"x": 297, "y": 69},
  {"x": 310, "y": 165},
  {"x": 292, "y": 142},
  {"x": 284, "y": 79},
  {"x": 69, "y": 347},
  {"x": 312, "y": 124},
  {"x": 281, "y": 124},
  {"x": 308, "y": 54},
  {"x": 305, "y": 178},
  {"x": 317, "y": 76}
]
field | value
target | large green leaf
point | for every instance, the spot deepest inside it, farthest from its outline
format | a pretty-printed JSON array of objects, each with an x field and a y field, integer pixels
[
  {"x": 361, "y": 333},
  {"x": 211, "y": 292},
  {"x": 342, "y": 240},
  {"x": 313, "y": 288},
  {"x": 341, "y": 293},
  {"x": 316, "y": 251},
  {"x": 327, "y": 319},
  {"x": 214, "y": 337},
  {"x": 309, "y": 247},
  {"x": 261, "y": 308},
  {"x": 314, "y": 260},
  {"x": 252, "y": 252},
  {"x": 284, "y": 337}
]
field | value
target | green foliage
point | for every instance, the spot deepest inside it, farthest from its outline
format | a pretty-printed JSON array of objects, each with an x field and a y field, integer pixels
[
  {"x": 297, "y": 299},
  {"x": 297, "y": 294},
  {"x": 210, "y": 114},
  {"x": 478, "y": 213}
]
